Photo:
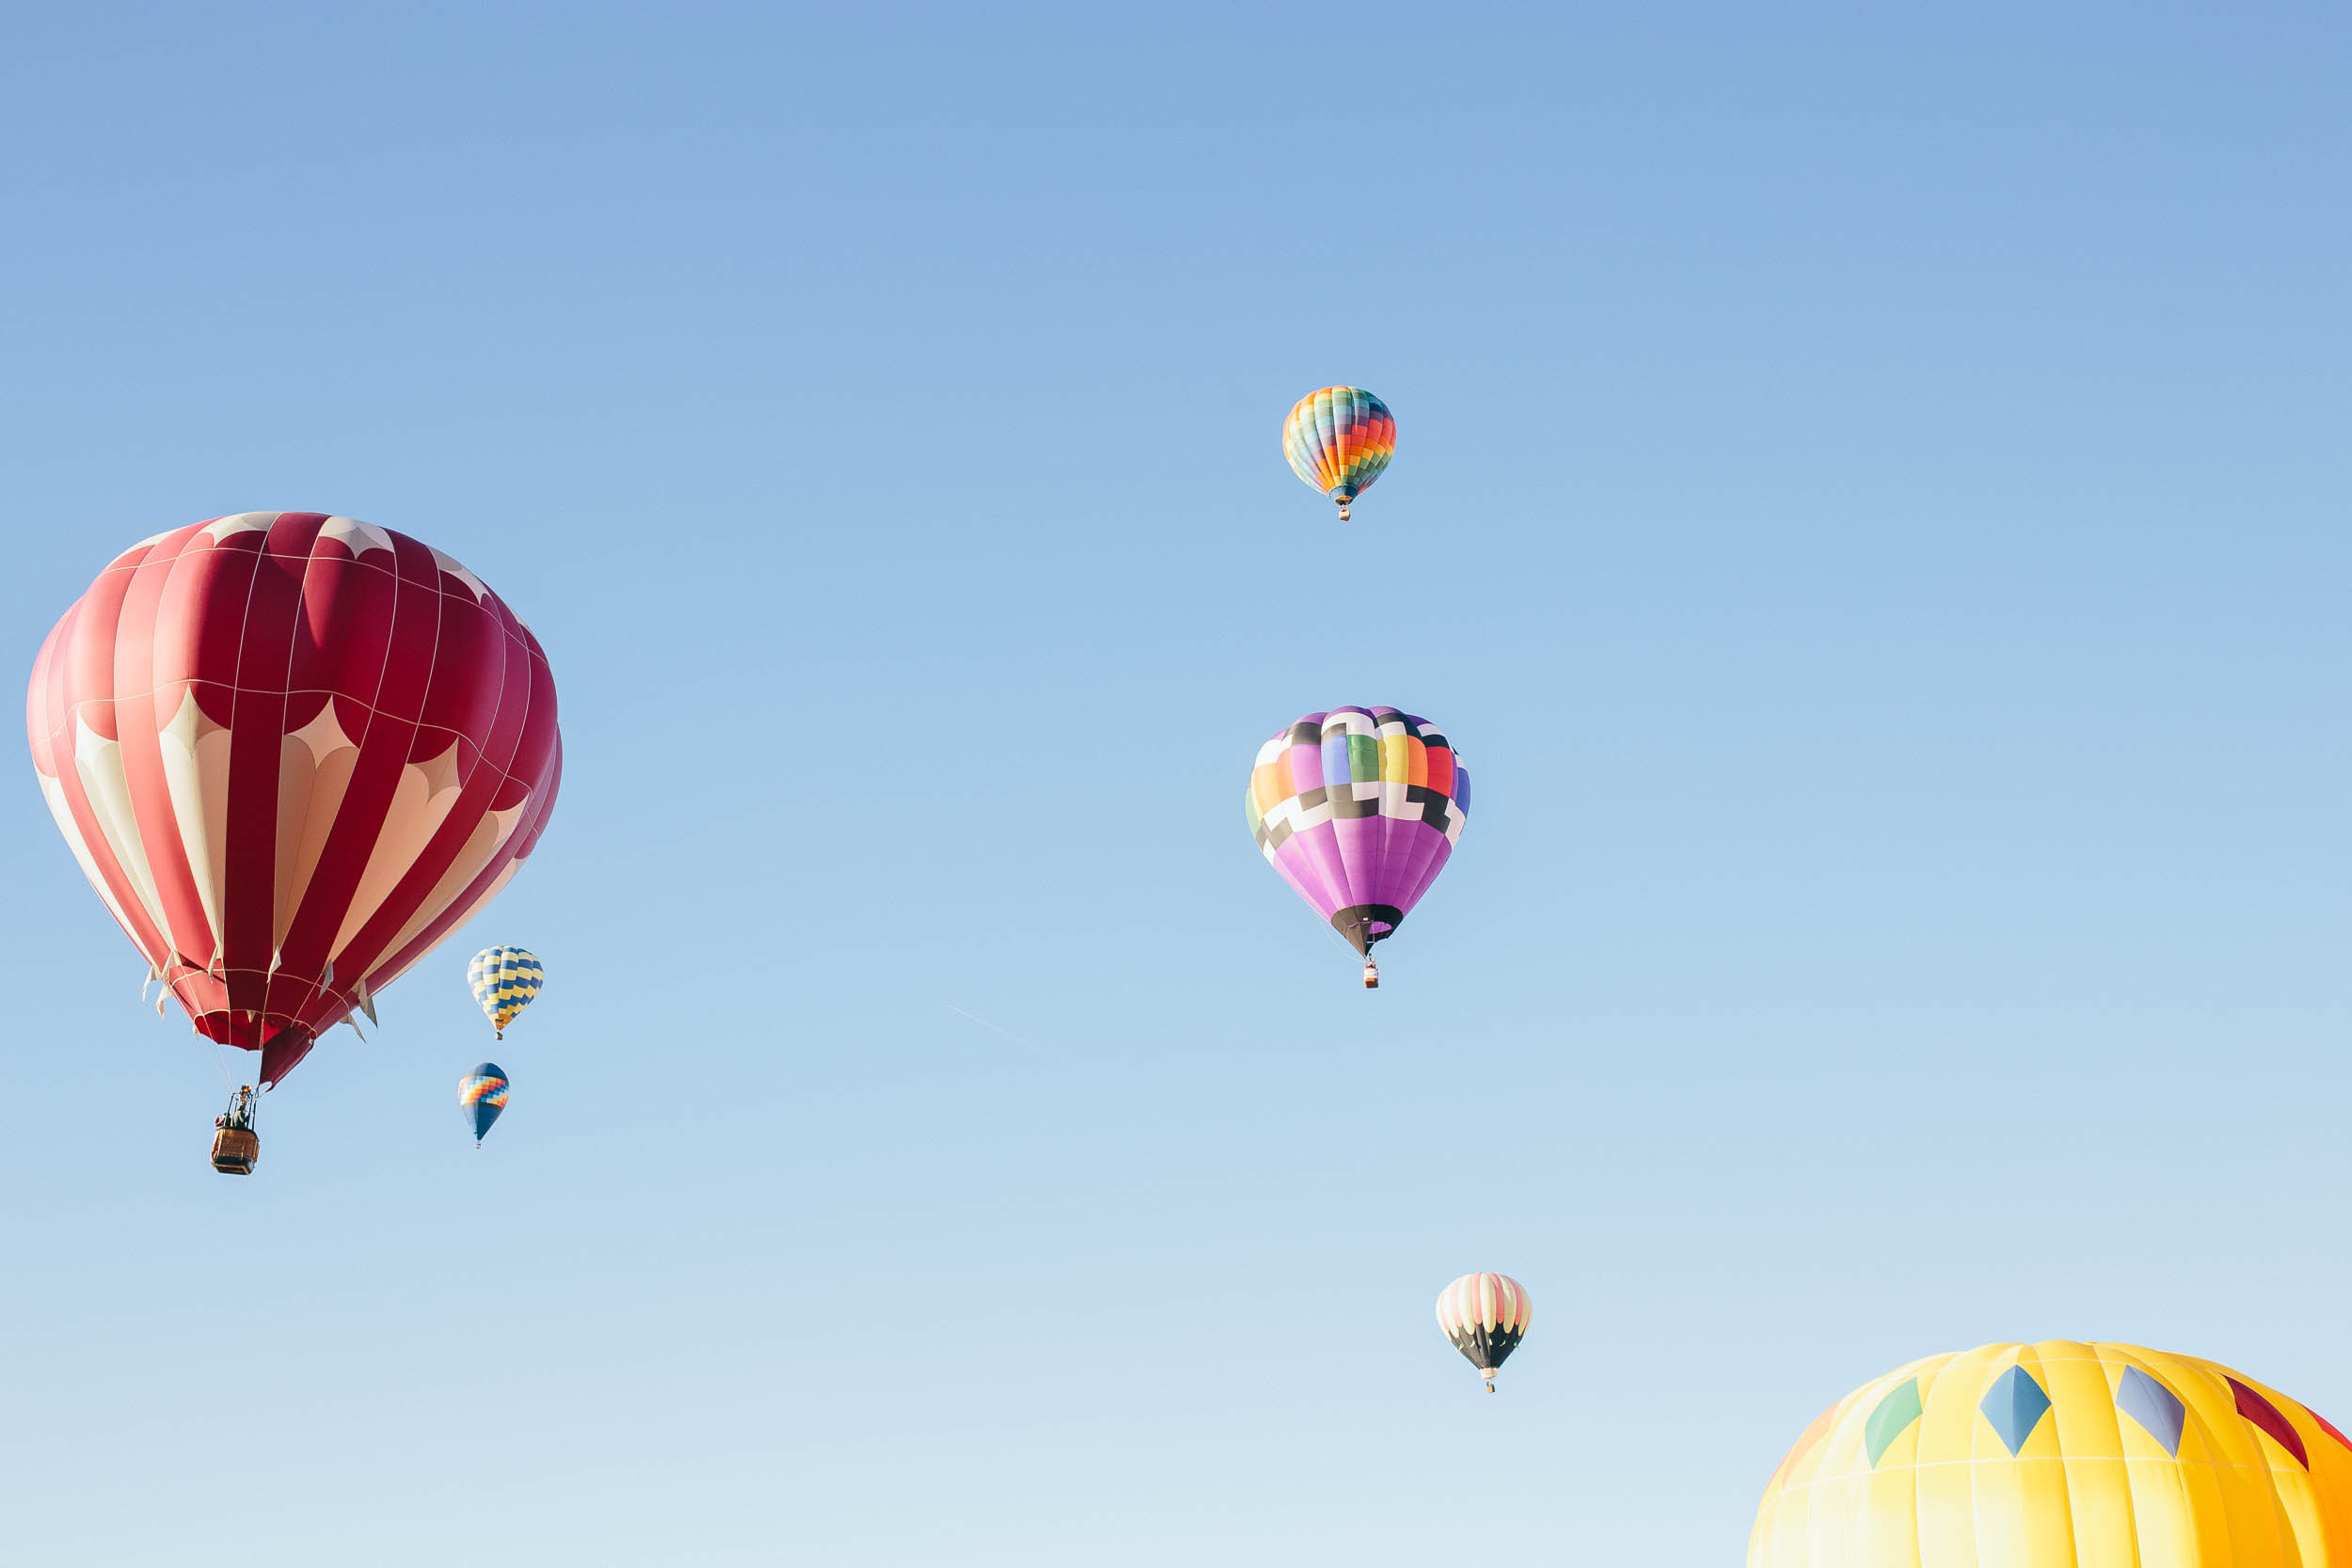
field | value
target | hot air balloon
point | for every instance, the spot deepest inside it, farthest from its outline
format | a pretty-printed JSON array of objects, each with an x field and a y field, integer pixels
[
  {"x": 291, "y": 753},
  {"x": 1485, "y": 1316},
  {"x": 2061, "y": 1455},
  {"x": 1338, "y": 440},
  {"x": 1359, "y": 809},
  {"x": 505, "y": 980},
  {"x": 481, "y": 1095}
]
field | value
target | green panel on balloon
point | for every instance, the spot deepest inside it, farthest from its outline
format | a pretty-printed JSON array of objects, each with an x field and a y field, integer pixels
[{"x": 1898, "y": 1410}]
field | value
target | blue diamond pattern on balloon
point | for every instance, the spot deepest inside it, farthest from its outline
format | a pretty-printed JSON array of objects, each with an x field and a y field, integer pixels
[
  {"x": 2156, "y": 1408},
  {"x": 2015, "y": 1406}
]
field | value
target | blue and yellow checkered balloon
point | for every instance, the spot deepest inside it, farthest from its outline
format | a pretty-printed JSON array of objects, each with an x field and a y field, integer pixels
[{"x": 505, "y": 980}]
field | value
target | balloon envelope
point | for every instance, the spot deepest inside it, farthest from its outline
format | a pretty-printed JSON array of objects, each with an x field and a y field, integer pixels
[
  {"x": 291, "y": 753},
  {"x": 1486, "y": 1315},
  {"x": 504, "y": 981},
  {"x": 1359, "y": 809},
  {"x": 2061, "y": 1455},
  {"x": 481, "y": 1095},
  {"x": 1338, "y": 439}
]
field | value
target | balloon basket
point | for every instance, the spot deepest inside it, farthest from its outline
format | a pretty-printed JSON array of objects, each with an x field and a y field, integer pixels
[{"x": 234, "y": 1151}]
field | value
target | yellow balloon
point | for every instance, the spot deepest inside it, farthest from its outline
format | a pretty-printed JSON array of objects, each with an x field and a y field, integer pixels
[{"x": 2061, "y": 1455}]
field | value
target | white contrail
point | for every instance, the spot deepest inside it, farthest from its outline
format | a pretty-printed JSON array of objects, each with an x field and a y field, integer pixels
[{"x": 985, "y": 1024}]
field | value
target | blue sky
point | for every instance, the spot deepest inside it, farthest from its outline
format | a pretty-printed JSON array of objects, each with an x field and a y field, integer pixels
[{"x": 1869, "y": 507}]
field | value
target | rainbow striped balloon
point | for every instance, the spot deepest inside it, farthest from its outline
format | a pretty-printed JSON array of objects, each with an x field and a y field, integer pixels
[{"x": 1338, "y": 440}]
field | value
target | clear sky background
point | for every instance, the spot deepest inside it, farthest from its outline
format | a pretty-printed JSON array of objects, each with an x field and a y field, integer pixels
[{"x": 1870, "y": 506}]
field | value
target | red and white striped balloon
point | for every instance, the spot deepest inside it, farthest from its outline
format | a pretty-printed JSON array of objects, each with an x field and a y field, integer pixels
[{"x": 292, "y": 752}]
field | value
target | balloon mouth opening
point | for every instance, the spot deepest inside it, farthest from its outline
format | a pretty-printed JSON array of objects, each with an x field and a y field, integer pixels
[{"x": 1364, "y": 924}]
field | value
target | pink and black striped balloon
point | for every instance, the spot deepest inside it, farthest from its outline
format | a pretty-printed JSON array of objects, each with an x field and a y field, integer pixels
[{"x": 1485, "y": 1316}]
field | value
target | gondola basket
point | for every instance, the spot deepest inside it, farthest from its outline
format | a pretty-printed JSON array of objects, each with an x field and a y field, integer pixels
[{"x": 234, "y": 1150}]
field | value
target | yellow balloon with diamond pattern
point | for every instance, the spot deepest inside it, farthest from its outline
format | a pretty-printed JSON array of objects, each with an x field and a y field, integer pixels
[{"x": 2061, "y": 1455}]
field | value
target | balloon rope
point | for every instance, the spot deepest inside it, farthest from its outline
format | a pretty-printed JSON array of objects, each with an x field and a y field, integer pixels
[{"x": 212, "y": 1048}]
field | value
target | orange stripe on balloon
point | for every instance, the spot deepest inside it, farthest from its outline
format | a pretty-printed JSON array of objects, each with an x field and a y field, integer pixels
[{"x": 1442, "y": 770}]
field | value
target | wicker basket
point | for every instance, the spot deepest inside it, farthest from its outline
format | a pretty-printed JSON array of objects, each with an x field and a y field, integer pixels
[{"x": 234, "y": 1150}]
